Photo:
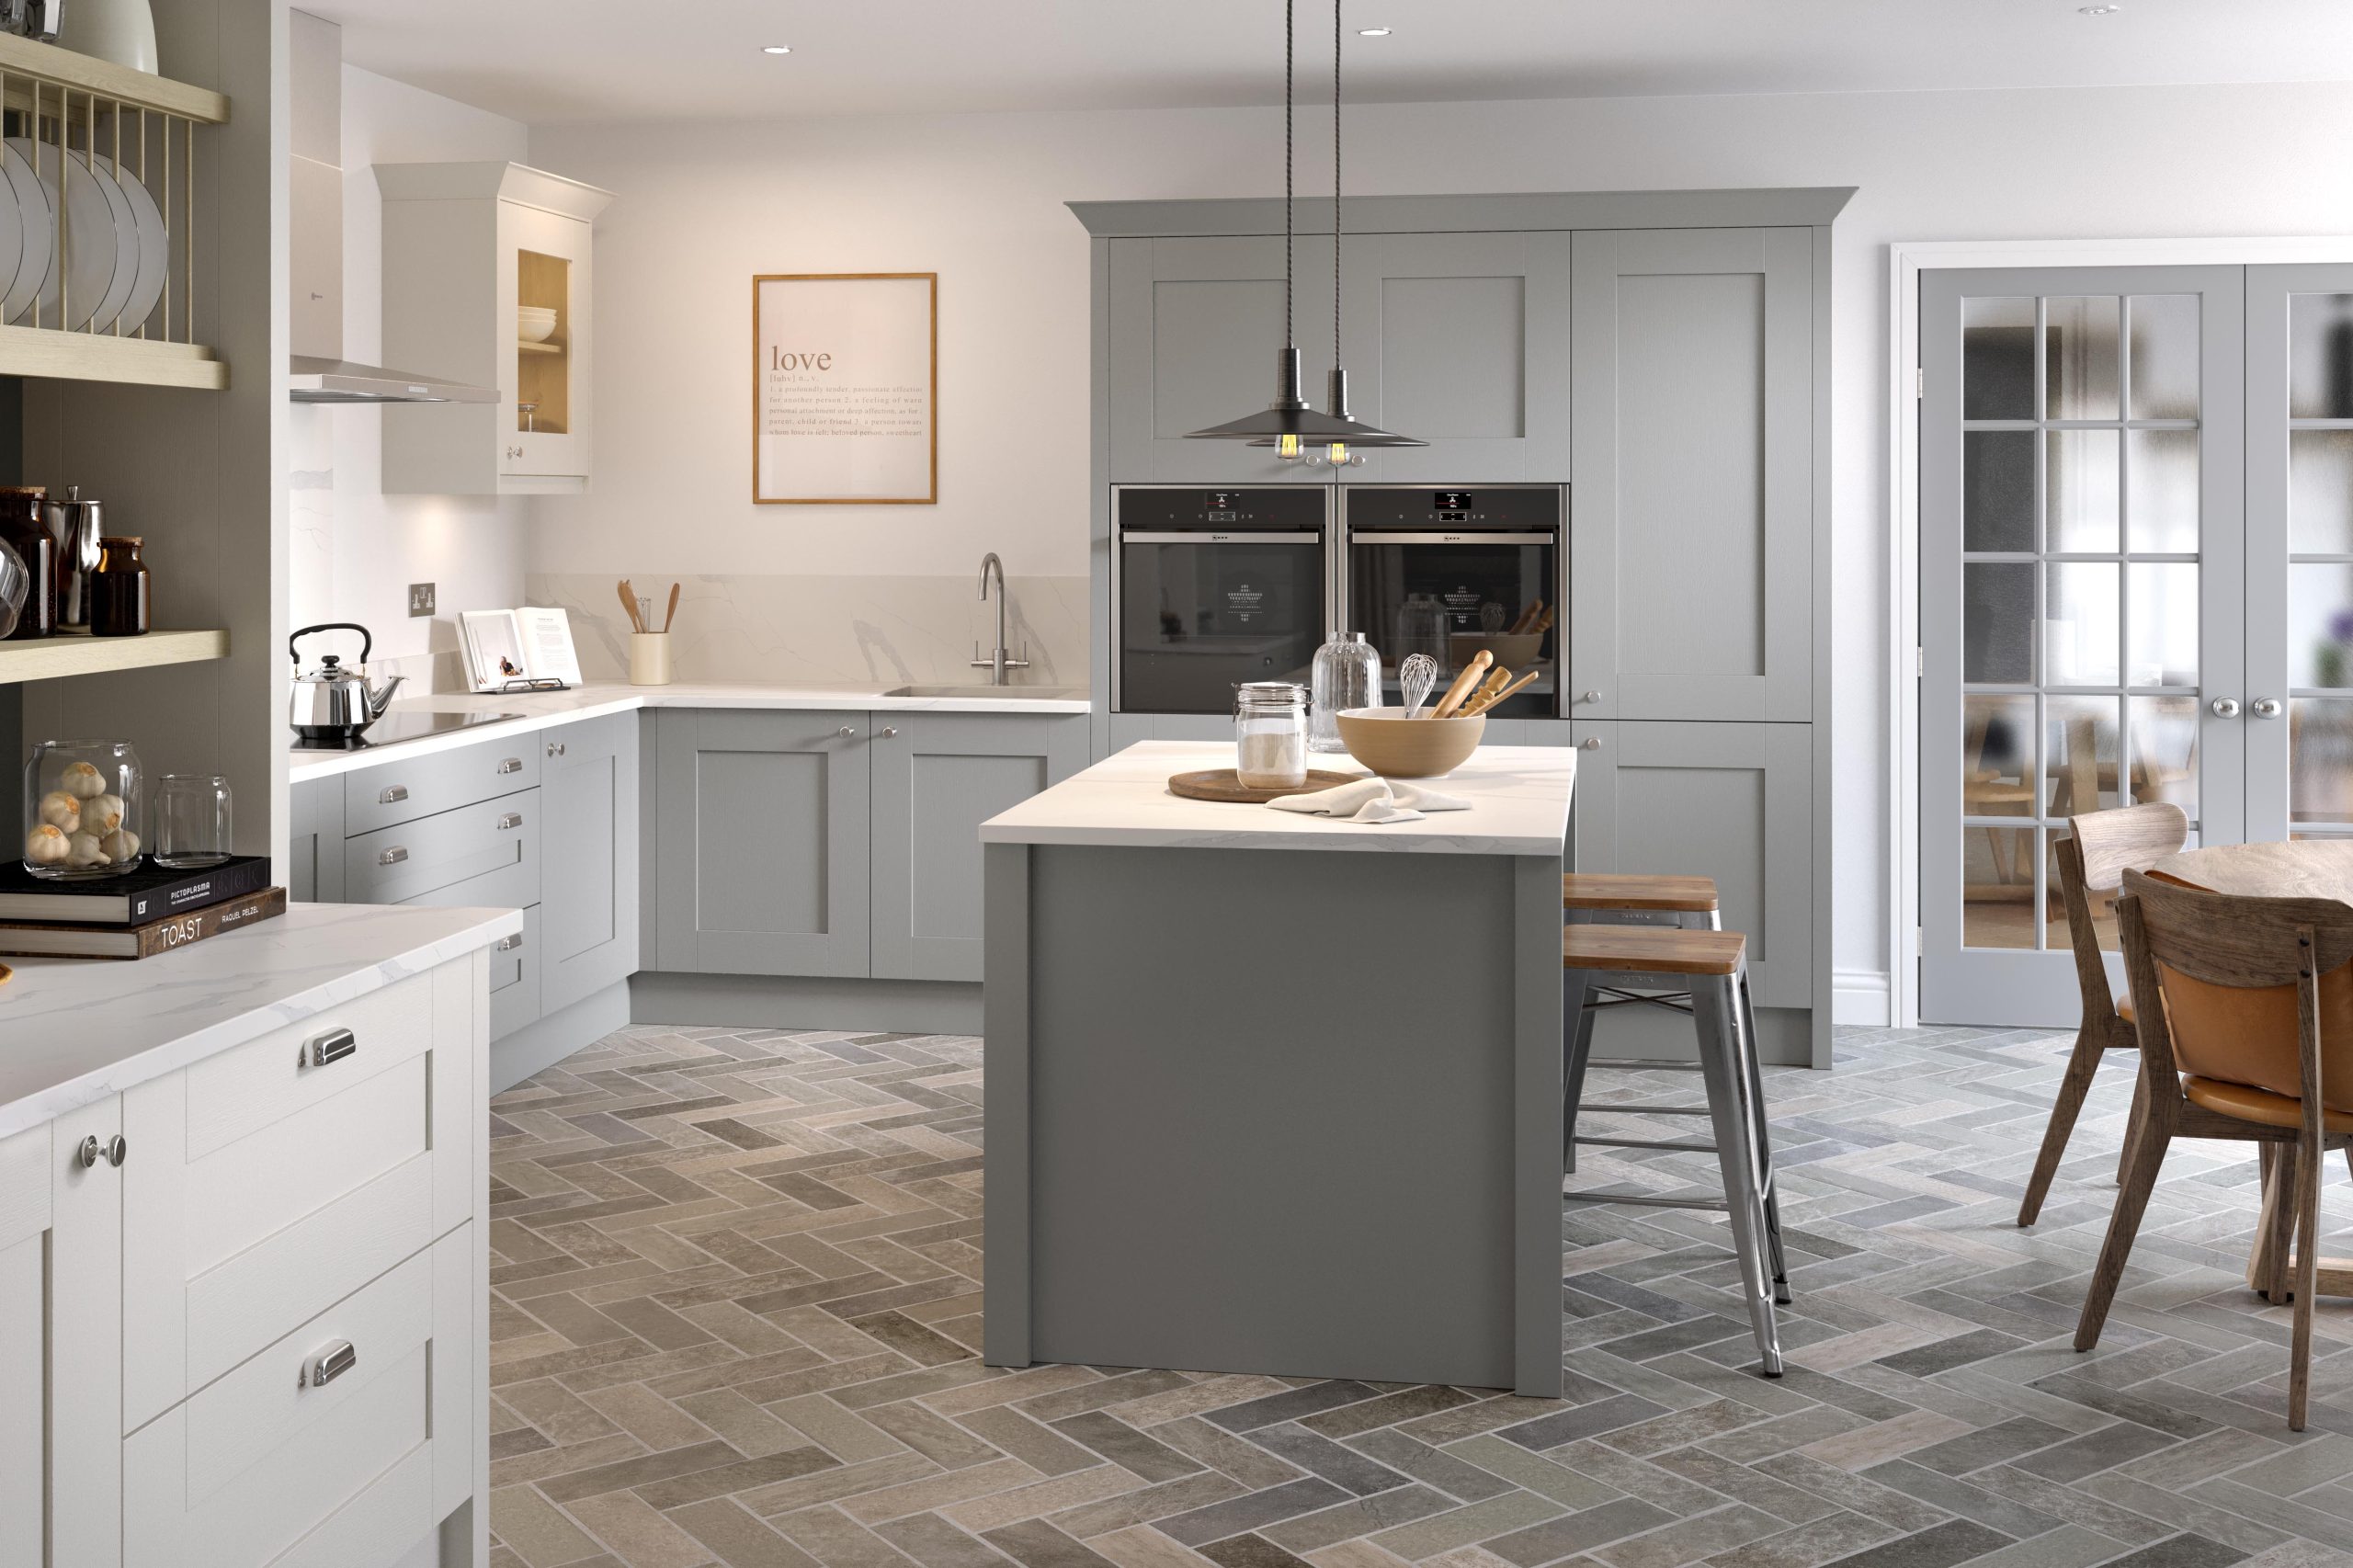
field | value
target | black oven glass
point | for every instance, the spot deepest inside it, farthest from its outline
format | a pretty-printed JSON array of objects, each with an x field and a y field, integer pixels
[
  {"x": 1216, "y": 588},
  {"x": 1451, "y": 573}
]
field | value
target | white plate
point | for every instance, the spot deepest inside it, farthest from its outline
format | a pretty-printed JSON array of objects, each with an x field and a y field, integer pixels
[
  {"x": 13, "y": 231},
  {"x": 94, "y": 247},
  {"x": 126, "y": 242},
  {"x": 29, "y": 201},
  {"x": 155, "y": 245}
]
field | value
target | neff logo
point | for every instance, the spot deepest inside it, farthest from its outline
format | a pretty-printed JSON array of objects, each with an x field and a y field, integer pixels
[{"x": 783, "y": 359}]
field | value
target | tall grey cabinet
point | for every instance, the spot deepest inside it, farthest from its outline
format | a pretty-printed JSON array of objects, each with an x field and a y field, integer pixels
[{"x": 1665, "y": 354}]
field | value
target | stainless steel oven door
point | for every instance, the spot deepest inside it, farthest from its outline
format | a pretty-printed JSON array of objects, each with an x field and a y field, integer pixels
[
  {"x": 1196, "y": 612},
  {"x": 1452, "y": 594}
]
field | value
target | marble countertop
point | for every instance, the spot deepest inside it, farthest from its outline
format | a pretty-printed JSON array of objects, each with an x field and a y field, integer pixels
[
  {"x": 1519, "y": 805},
  {"x": 542, "y": 708},
  {"x": 74, "y": 1032}
]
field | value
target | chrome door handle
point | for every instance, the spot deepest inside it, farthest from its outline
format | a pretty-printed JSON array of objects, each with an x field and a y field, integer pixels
[
  {"x": 393, "y": 793},
  {"x": 508, "y": 944},
  {"x": 332, "y": 1046},
  {"x": 512, "y": 819},
  {"x": 510, "y": 764},
  {"x": 846, "y": 731},
  {"x": 890, "y": 732},
  {"x": 2224, "y": 707},
  {"x": 114, "y": 1150},
  {"x": 1591, "y": 743},
  {"x": 1590, "y": 697},
  {"x": 2266, "y": 708},
  {"x": 329, "y": 1364},
  {"x": 391, "y": 857}
]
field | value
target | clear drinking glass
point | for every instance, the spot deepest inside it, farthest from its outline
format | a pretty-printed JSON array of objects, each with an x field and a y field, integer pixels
[
  {"x": 1347, "y": 674},
  {"x": 191, "y": 820},
  {"x": 84, "y": 804},
  {"x": 1270, "y": 735}
]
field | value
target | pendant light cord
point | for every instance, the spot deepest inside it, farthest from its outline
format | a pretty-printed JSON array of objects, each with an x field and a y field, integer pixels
[
  {"x": 1289, "y": 336},
  {"x": 1335, "y": 185}
]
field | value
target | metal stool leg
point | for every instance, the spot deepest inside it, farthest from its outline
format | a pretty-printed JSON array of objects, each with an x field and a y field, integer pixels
[
  {"x": 1576, "y": 1009},
  {"x": 1767, "y": 1178},
  {"x": 1716, "y": 1009}
]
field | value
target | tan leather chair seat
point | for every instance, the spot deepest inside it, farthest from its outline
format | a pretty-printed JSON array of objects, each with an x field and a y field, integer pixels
[
  {"x": 2124, "y": 1009},
  {"x": 2242, "y": 1035},
  {"x": 2251, "y": 1103}
]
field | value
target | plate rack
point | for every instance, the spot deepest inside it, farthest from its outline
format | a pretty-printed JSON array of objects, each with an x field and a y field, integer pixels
[{"x": 62, "y": 108}]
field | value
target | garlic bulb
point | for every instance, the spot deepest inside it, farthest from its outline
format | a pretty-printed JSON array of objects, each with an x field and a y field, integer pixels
[
  {"x": 82, "y": 780},
  {"x": 121, "y": 846},
  {"x": 102, "y": 815},
  {"x": 83, "y": 850},
  {"x": 60, "y": 810},
  {"x": 45, "y": 844}
]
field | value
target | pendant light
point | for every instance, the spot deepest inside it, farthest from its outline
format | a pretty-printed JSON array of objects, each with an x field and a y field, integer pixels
[
  {"x": 1289, "y": 424},
  {"x": 1334, "y": 446}
]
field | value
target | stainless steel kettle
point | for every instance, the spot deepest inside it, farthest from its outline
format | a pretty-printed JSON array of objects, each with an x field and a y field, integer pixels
[{"x": 332, "y": 704}]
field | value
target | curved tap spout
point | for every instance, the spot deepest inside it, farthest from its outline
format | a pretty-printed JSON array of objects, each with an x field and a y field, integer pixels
[
  {"x": 998, "y": 661},
  {"x": 989, "y": 564}
]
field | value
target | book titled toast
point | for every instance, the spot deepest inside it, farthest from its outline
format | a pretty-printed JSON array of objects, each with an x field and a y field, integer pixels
[{"x": 62, "y": 940}]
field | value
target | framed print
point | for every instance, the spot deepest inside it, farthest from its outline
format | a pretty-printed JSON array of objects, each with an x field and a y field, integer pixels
[{"x": 845, "y": 372}]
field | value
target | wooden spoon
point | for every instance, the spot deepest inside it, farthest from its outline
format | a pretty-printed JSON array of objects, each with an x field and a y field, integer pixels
[
  {"x": 673, "y": 612},
  {"x": 1464, "y": 685},
  {"x": 629, "y": 603},
  {"x": 1487, "y": 702}
]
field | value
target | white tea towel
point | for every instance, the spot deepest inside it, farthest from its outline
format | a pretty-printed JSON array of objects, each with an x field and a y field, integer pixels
[{"x": 1371, "y": 801}]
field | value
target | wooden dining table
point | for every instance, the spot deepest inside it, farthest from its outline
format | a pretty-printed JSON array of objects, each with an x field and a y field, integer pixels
[{"x": 2302, "y": 868}]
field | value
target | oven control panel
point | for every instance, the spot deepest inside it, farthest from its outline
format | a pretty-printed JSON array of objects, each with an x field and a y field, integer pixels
[
  {"x": 1515, "y": 506},
  {"x": 1263, "y": 506}
]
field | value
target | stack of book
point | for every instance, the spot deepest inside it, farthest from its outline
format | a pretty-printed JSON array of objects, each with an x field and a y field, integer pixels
[{"x": 138, "y": 914}]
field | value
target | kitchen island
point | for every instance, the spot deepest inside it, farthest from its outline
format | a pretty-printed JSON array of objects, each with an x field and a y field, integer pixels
[{"x": 1271, "y": 1093}]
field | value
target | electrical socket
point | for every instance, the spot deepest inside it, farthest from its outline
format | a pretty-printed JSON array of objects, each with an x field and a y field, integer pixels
[{"x": 420, "y": 599}]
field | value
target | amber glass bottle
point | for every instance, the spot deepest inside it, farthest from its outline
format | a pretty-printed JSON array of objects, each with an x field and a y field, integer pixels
[
  {"x": 26, "y": 531},
  {"x": 119, "y": 589}
]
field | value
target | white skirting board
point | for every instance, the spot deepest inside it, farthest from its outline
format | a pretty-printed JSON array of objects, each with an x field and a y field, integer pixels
[{"x": 1859, "y": 996}]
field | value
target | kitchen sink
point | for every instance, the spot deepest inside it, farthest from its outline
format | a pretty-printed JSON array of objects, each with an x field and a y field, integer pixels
[{"x": 1049, "y": 693}]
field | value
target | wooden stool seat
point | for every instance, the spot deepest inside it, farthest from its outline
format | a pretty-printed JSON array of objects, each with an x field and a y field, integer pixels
[
  {"x": 1601, "y": 889},
  {"x": 1651, "y": 949},
  {"x": 2250, "y": 1104}
]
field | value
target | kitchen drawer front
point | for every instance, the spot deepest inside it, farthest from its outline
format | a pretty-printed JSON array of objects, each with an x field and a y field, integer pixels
[
  {"x": 231, "y": 1241},
  {"x": 273, "y": 1079},
  {"x": 515, "y": 978},
  {"x": 484, "y": 854},
  {"x": 268, "y": 1466},
  {"x": 405, "y": 789}
]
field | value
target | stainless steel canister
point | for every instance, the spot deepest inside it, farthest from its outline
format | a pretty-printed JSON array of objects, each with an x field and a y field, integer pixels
[{"x": 75, "y": 525}]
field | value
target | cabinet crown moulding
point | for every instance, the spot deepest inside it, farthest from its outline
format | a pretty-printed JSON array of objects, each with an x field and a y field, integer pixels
[
  {"x": 1767, "y": 205},
  {"x": 517, "y": 183}
]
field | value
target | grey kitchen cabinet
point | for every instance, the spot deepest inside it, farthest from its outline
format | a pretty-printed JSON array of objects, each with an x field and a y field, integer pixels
[
  {"x": 314, "y": 841},
  {"x": 1692, "y": 506},
  {"x": 517, "y": 977},
  {"x": 1462, "y": 341},
  {"x": 1195, "y": 323},
  {"x": 587, "y": 936},
  {"x": 761, "y": 842},
  {"x": 934, "y": 778},
  {"x": 1731, "y": 802}
]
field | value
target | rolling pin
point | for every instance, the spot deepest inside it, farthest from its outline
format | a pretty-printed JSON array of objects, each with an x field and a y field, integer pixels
[
  {"x": 1464, "y": 685},
  {"x": 1487, "y": 702}
]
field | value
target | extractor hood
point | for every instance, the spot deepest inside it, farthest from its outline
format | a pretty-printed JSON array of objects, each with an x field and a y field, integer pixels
[{"x": 317, "y": 371}]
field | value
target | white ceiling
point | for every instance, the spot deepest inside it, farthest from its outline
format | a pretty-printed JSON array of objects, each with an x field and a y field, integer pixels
[{"x": 554, "y": 60}]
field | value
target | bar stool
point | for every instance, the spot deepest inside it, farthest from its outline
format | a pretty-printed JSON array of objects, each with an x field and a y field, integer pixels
[
  {"x": 1597, "y": 959},
  {"x": 1679, "y": 902}
]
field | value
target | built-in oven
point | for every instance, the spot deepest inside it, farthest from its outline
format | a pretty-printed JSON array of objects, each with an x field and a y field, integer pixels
[
  {"x": 1452, "y": 571},
  {"x": 1212, "y": 587}
]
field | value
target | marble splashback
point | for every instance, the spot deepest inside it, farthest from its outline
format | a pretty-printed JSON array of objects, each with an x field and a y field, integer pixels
[{"x": 890, "y": 631}]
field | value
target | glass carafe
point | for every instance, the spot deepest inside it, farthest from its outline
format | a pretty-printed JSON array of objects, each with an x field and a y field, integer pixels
[
  {"x": 1421, "y": 629},
  {"x": 1347, "y": 674}
]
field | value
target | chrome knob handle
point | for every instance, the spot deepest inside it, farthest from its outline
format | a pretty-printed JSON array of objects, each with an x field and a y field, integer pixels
[
  {"x": 1590, "y": 697},
  {"x": 890, "y": 732},
  {"x": 118, "y": 1151},
  {"x": 86, "y": 1154},
  {"x": 846, "y": 731},
  {"x": 1591, "y": 743},
  {"x": 114, "y": 1150},
  {"x": 2224, "y": 707},
  {"x": 2266, "y": 708}
]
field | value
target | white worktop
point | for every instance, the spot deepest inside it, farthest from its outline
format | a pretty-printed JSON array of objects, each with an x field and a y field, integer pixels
[
  {"x": 74, "y": 1032},
  {"x": 541, "y": 709},
  {"x": 1519, "y": 805}
]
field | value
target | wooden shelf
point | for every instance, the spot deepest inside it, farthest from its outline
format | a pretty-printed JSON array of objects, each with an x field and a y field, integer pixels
[
  {"x": 49, "y": 657},
  {"x": 85, "y": 73},
  {"x": 523, "y": 347},
  {"x": 103, "y": 357}
]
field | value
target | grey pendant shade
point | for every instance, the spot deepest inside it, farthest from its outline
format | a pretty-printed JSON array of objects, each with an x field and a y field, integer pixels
[{"x": 1288, "y": 424}]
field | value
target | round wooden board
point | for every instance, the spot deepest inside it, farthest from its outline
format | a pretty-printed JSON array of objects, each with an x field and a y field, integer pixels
[{"x": 1220, "y": 784}]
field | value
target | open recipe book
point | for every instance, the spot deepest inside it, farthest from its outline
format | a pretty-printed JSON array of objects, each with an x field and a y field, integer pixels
[{"x": 512, "y": 649}]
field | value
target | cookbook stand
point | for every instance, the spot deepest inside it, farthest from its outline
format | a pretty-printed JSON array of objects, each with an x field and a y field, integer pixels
[{"x": 524, "y": 683}]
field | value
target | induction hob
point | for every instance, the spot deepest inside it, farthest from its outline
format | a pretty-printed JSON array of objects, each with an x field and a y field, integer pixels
[{"x": 395, "y": 728}]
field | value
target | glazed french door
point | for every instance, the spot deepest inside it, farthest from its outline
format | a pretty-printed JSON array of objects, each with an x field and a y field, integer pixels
[{"x": 2087, "y": 611}]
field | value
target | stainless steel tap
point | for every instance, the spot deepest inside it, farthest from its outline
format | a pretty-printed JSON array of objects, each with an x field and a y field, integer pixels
[{"x": 999, "y": 662}]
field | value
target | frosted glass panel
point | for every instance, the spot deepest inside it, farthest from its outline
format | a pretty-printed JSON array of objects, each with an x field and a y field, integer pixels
[
  {"x": 2057, "y": 934},
  {"x": 2081, "y": 335},
  {"x": 1997, "y": 623},
  {"x": 2320, "y": 492},
  {"x": 1997, "y": 887},
  {"x": 1997, "y": 490},
  {"x": 2079, "y": 738},
  {"x": 2081, "y": 626},
  {"x": 1997, "y": 772},
  {"x": 2164, "y": 623},
  {"x": 2320, "y": 356},
  {"x": 2320, "y": 624},
  {"x": 1997, "y": 358},
  {"x": 2081, "y": 493},
  {"x": 2161, "y": 491},
  {"x": 2164, "y": 356},
  {"x": 2164, "y": 751},
  {"x": 2320, "y": 759}
]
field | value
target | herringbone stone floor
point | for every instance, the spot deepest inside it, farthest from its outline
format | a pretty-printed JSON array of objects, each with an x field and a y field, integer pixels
[{"x": 737, "y": 1306}]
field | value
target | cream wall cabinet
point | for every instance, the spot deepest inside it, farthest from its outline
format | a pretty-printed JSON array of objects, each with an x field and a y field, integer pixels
[{"x": 465, "y": 245}]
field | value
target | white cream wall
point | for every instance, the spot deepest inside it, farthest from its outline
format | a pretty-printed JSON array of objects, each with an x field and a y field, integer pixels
[
  {"x": 353, "y": 550},
  {"x": 700, "y": 208}
]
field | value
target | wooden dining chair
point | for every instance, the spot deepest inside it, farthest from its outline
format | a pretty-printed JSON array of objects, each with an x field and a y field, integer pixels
[
  {"x": 2231, "y": 995},
  {"x": 2093, "y": 859}
]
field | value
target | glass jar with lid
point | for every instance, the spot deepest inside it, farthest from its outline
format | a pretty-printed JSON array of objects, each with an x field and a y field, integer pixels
[
  {"x": 1270, "y": 735},
  {"x": 1347, "y": 674},
  {"x": 85, "y": 810}
]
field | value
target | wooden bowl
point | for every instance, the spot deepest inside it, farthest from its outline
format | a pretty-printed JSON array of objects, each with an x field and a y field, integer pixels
[
  {"x": 1394, "y": 746},
  {"x": 1513, "y": 650}
]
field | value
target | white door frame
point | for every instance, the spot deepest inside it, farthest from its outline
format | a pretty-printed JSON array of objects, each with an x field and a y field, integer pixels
[{"x": 1906, "y": 260}]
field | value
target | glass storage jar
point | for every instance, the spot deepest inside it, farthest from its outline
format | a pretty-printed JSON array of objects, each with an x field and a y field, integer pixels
[
  {"x": 1347, "y": 674},
  {"x": 1270, "y": 735},
  {"x": 84, "y": 814},
  {"x": 1421, "y": 629},
  {"x": 191, "y": 820}
]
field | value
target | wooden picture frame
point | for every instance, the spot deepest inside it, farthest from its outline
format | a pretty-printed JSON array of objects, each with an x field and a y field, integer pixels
[{"x": 841, "y": 350}]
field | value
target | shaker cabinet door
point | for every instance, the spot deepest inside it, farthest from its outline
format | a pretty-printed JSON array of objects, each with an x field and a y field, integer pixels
[
  {"x": 589, "y": 880},
  {"x": 1691, "y": 514},
  {"x": 937, "y": 777},
  {"x": 1461, "y": 341},
  {"x": 761, "y": 830},
  {"x": 314, "y": 841}
]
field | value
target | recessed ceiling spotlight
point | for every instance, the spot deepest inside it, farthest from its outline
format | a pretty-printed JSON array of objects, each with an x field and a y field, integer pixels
[
  {"x": 1372, "y": 32},
  {"x": 2098, "y": 10},
  {"x": 776, "y": 49}
]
